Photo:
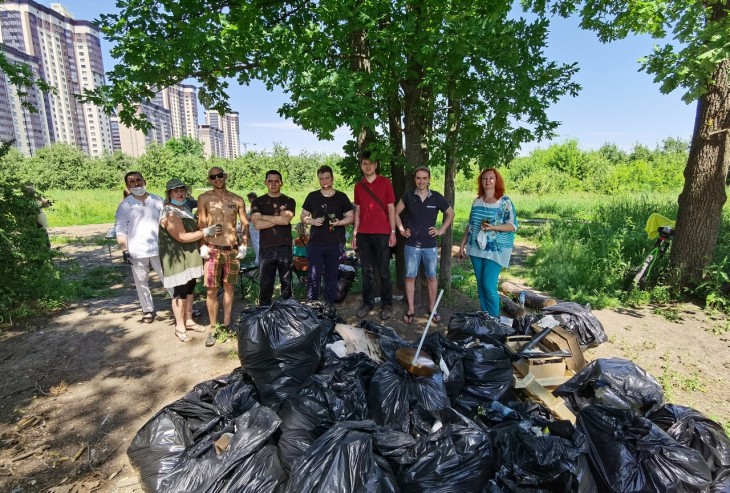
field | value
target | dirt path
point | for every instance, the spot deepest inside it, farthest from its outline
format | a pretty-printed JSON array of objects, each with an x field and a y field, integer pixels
[{"x": 77, "y": 386}]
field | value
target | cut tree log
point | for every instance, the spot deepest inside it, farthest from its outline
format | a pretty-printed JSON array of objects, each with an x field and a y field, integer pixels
[
  {"x": 514, "y": 309},
  {"x": 532, "y": 299}
]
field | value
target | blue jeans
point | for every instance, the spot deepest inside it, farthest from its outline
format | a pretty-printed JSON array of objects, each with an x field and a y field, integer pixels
[
  {"x": 323, "y": 259},
  {"x": 415, "y": 255},
  {"x": 487, "y": 274}
]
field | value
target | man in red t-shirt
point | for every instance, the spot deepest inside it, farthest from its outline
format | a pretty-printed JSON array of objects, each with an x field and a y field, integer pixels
[{"x": 374, "y": 234}]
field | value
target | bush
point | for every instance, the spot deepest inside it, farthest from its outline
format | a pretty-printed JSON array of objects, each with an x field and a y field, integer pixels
[{"x": 27, "y": 268}]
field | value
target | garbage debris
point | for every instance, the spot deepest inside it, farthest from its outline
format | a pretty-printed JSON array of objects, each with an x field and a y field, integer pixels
[
  {"x": 487, "y": 376},
  {"x": 478, "y": 324},
  {"x": 280, "y": 347},
  {"x": 580, "y": 321},
  {"x": 693, "y": 429},
  {"x": 631, "y": 454},
  {"x": 343, "y": 459},
  {"x": 614, "y": 382}
]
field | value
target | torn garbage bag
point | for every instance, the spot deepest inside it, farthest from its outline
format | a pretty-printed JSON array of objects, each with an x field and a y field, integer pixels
[
  {"x": 580, "y": 321},
  {"x": 240, "y": 460},
  {"x": 188, "y": 424},
  {"x": 279, "y": 346},
  {"x": 448, "y": 355},
  {"x": 614, "y": 382},
  {"x": 631, "y": 454},
  {"x": 342, "y": 460}
]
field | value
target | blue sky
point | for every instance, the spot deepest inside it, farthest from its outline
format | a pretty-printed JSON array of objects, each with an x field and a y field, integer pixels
[{"x": 617, "y": 103}]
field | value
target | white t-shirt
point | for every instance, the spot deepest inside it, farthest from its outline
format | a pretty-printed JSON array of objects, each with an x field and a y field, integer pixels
[{"x": 139, "y": 222}]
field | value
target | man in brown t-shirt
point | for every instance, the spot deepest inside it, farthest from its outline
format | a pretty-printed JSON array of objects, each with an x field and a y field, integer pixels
[{"x": 222, "y": 252}]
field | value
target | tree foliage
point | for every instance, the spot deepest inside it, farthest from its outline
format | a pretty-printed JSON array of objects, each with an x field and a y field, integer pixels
[{"x": 693, "y": 55}]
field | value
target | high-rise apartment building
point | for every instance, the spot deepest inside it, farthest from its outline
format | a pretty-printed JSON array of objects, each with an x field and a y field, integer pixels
[
  {"x": 182, "y": 102},
  {"x": 66, "y": 53},
  {"x": 134, "y": 142},
  {"x": 228, "y": 124},
  {"x": 28, "y": 131},
  {"x": 212, "y": 139}
]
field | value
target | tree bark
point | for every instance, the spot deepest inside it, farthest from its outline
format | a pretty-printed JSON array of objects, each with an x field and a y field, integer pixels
[
  {"x": 452, "y": 142},
  {"x": 704, "y": 194}
]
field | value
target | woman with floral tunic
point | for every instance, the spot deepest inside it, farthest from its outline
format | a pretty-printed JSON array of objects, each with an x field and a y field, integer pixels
[
  {"x": 181, "y": 262},
  {"x": 489, "y": 237}
]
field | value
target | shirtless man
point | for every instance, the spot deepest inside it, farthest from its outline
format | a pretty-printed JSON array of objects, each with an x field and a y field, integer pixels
[{"x": 222, "y": 252}]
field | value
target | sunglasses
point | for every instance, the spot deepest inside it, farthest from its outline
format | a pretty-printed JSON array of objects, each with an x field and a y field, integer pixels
[{"x": 217, "y": 175}]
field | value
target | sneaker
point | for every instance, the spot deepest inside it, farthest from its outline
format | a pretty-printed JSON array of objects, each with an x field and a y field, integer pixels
[
  {"x": 232, "y": 328},
  {"x": 364, "y": 310},
  {"x": 210, "y": 340},
  {"x": 386, "y": 312}
]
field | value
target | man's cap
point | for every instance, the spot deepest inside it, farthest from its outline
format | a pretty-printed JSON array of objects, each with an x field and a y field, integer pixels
[
  {"x": 251, "y": 194},
  {"x": 174, "y": 183}
]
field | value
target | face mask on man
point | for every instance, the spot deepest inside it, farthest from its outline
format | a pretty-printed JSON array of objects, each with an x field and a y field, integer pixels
[
  {"x": 138, "y": 191},
  {"x": 177, "y": 202}
]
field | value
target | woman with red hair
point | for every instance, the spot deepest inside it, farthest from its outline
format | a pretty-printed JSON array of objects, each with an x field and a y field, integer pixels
[{"x": 489, "y": 237}]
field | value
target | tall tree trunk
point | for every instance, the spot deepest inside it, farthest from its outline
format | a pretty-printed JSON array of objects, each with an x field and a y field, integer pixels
[
  {"x": 704, "y": 195},
  {"x": 395, "y": 128},
  {"x": 360, "y": 62},
  {"x": 452, "y": 143}
]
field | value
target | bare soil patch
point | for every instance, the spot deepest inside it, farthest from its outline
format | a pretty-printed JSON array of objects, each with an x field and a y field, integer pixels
[{"x": 77, "y": 385}]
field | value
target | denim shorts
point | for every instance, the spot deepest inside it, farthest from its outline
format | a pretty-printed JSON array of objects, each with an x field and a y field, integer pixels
[{"x": 415, "y": 256}]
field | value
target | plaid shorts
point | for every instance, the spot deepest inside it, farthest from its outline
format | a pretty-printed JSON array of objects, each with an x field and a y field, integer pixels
[{"x": 222, "y": 266}]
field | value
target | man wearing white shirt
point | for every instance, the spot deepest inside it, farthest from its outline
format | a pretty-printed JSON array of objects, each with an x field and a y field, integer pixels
[{"x": 137, "y": 225}]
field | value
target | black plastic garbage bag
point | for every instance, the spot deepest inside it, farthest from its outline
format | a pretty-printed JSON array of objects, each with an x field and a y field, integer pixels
[
  {"x": 580, "y": 321},
  {"x": 613, "y": 382},
  {"x": 631, "y": 454},
  {"x": 487, "y": 377},
  {"x": 455, "y": 457},
  {"x": 343, "y": 460},
  {"x": 480, "y": 325},
  {"x": 188, "y": 424},
  {"x": 280, "y": 347},
  {"x": 394, "y": 394},
  {"x": 247, "y": 465},
  {"x": 693, "y": 429},
  {"x": 532, "y": 456},
  {"x": 448, "y": 356},
  {"x": 345, "y": 278},
  {"x": 322, "y": 401},
  {"x": 357, "y": 364}
]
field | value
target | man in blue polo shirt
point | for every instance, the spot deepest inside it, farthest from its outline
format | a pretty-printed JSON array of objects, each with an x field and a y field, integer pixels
[{"x": 422, "y": 207}]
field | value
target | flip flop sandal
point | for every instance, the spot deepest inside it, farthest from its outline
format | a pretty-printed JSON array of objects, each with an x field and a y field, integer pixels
[
  {"x": 148, "y": 318},
  {"x": 183, "y": 336},
  {"x": 196, "y": 328},
  {"x": 408, "y": 318},
  {"x": 436, "y": 318}
]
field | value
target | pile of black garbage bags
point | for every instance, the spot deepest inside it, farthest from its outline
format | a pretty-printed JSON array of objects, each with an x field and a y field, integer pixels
[{"x": 297, "y": 418}]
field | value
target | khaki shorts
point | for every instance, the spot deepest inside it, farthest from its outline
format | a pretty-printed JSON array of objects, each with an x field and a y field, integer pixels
[{"x": 222, "y": 266}]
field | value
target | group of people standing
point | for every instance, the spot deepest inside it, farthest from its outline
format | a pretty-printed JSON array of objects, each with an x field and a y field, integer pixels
[{"x": 164, "y": 235}]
